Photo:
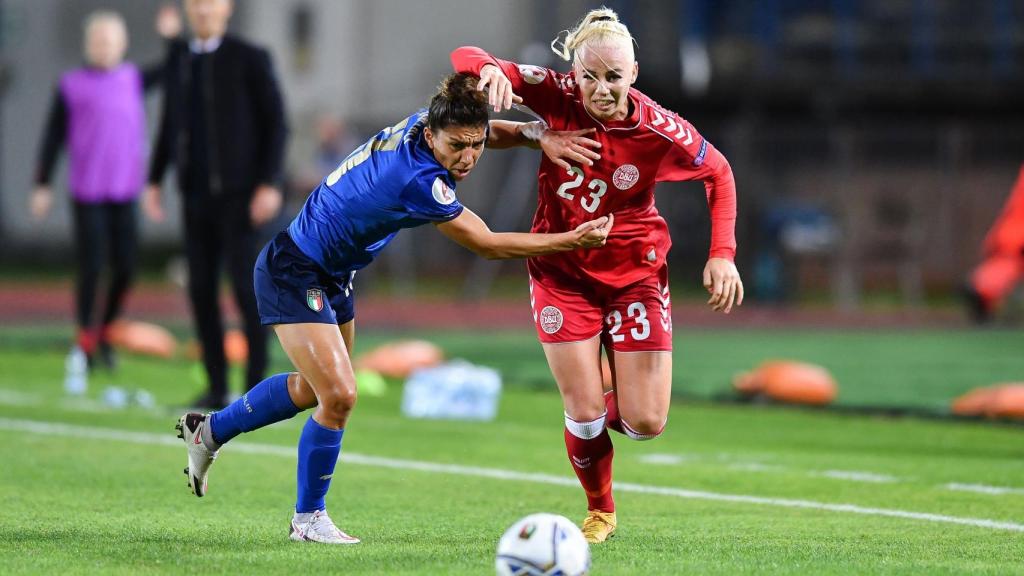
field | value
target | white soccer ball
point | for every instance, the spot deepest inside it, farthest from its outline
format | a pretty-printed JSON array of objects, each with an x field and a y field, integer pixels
[{"x": 543, "y": 545}]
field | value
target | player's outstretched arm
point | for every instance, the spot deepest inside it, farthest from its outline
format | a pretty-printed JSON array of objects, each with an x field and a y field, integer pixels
[
  {"x": 468, "y": 230},
  {"x": 561, "y": 147},
  {"x": 504, "y": 134},
  {"x": 507, "y": 83}
]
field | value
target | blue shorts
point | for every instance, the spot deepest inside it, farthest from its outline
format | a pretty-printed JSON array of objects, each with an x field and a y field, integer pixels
[{"x": 293, "y": 289}]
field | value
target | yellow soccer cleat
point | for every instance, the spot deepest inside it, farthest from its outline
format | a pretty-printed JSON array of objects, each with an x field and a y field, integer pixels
[{"x": 598, "y": 526}]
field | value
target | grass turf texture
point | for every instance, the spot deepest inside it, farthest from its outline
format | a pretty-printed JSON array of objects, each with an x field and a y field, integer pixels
[
  {"x": 80, "y": 505},
  {"x": 922, "y": 370}
]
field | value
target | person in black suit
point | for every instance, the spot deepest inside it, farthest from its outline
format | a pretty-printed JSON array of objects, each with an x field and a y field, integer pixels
[{"x": 223, "y": 126}]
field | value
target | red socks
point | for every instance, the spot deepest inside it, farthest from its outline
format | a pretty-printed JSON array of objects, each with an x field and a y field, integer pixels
[
  {"x": 590, "y": 453},
  {"x": 612, "y": 419},
  {"x": 87, "y": 340}
]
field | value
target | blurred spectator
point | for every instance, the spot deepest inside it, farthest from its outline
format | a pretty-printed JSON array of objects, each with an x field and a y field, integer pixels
[
  {"x": 223, "y": 127},
  {"x": 333, "y": 143},
  {"x": 98, "y": 110},
  {"x": 1002, "y": 265}
]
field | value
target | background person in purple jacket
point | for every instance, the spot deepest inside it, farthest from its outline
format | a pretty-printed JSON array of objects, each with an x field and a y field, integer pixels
[{"x": 98, "y": 112}]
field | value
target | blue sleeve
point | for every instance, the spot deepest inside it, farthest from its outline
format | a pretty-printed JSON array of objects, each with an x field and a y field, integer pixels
[{"x": 429, "y": 197}]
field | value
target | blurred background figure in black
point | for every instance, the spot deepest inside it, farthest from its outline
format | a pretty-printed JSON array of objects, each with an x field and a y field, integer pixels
[
  {"x": 98, "y": 111},
  {"x": 223, "y": 126}
]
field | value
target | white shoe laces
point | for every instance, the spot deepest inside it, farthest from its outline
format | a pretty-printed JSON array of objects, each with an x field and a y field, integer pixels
[{"x": 321, "y": 524}]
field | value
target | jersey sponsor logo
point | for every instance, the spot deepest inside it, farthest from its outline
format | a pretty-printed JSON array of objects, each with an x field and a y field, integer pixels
[
  {"x": 315, "y": 299},
  {"x": 441, "y": 192},
  {"x": 532, "y": 74},
  {"x": 625, "y": 176},
  {"x": 550, "y": 319}
]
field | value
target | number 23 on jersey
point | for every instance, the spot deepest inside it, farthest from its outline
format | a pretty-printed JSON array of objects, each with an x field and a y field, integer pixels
[{"x": 589, "y": 197}]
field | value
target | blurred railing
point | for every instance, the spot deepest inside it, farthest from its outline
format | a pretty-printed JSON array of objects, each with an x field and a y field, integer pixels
[{"x": 854, "y": 208}]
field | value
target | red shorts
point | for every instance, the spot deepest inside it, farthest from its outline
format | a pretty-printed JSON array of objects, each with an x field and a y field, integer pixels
[{"x": 636, "y": 318}]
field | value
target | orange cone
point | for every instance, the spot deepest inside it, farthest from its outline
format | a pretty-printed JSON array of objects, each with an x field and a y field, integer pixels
[
  {"x": 143, "y": 338},
  {"x": 999, "y": 402},
  {"x": 789, "y": 382},
  {"x": 398, "y": 359},
  {"x": 236, "y": 347}
]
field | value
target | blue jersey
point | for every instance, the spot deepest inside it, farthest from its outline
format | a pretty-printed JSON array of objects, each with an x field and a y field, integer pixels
[{"x": 391, "y": 182}]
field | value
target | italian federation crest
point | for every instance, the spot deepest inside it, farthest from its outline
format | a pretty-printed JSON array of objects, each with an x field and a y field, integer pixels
[{"x": 315, "y": 299}]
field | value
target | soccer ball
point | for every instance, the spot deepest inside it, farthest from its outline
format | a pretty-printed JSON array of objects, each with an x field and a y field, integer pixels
[{"x": 543, "y": 545}]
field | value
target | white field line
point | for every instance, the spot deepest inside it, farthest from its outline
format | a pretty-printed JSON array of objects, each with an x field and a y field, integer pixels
[
  {"x": 857, "y": 476},
  {"x": 848, "y": 475},
  {"x": 983, "y": 489},
  {"x": 68, "y": 430},
  {"x": 755, "y": 467},
  {"x": 664, "y": 459}
]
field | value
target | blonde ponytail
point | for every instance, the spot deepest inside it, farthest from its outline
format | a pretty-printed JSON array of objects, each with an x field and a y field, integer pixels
[{"x": 596, "y": 25}]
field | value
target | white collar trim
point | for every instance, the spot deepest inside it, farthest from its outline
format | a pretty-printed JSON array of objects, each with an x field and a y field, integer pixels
[{"x": 198, "y": 46}]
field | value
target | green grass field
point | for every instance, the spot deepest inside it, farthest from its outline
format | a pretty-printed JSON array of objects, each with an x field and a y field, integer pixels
[{"x": 746, "y": 489}]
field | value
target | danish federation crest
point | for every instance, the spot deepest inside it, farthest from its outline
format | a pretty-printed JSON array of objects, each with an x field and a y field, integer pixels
[
  {"x": 625, "y": 176},
  {"x": 315, "y": 299},
  {"x": 532, "y": 74},
  {"x": 550, "y": 319},
  {"x": 441, "y": 192}
]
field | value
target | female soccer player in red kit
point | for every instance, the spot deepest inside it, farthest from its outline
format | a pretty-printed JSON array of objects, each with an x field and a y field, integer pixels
[{"x": 618, "y": 296}]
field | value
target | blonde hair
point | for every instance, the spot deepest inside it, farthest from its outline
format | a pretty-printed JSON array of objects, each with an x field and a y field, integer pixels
[{"x": 600, "y": 24}]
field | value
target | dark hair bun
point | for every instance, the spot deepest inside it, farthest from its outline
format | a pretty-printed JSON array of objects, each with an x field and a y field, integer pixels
[{"x": 457, "y": 102}]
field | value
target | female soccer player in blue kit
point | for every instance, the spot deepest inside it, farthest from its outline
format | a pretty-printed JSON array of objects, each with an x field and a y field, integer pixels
[{"x": 405, "y": 176}]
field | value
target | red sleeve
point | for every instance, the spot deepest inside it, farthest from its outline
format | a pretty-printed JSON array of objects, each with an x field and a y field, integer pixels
[
  {"x": 541, "y": 89},
  {"x": 691, "y": 157},
  {"x": 1006, "y": 236}
]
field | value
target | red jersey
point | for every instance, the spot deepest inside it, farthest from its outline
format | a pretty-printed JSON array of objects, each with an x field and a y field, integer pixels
[
  {"x": 652, "y": 145},
  {"x": 1007, "y": 233}
]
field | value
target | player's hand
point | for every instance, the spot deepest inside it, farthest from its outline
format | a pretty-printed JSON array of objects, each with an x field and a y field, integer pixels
[
  {"x": 151, "y": 203},
  {"x": 594, "y": 234},
  {"x": 40, "y": 202},
  {"x": 266, "y": 203},
  {"x": 498, "y": 87},
  {"x": 563, "y": 147},
  {"x": 722, "y": 280}
]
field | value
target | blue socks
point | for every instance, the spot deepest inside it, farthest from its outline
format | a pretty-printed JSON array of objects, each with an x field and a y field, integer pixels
[
  {"x": 318, "y": 453},
  {"x": 266, "y": 403},
  {"x": 269, "y": 402}
]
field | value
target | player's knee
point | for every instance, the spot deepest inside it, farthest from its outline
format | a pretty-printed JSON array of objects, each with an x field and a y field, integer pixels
[
  {"x": 644, "y": 427},
  {"x": 583, "y": 413},
  {"x": 338, "y": 401}
]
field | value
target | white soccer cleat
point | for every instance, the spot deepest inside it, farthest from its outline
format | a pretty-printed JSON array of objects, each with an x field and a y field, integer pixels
[
  {"x": 320, "y": 528},
  {"x": 200, "y": 458}
]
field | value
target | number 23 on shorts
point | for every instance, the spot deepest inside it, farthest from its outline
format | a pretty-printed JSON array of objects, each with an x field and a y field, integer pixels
[{"x": 640, "y": 325}]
